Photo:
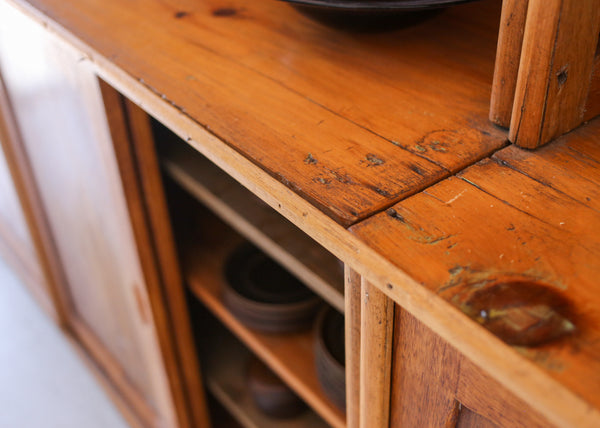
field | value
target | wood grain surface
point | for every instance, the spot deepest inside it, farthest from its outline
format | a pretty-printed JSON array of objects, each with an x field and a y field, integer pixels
[
  {"x": 351, "y": 122},
  {"x": 377, "y": 329},
  {"x": 435, "y": 386},
  {"x": 557, "y": 63},
  {"x": 521, "y": 218},
  {"x": 352, "y": 318},
  {"x": 508, "y": 55}
]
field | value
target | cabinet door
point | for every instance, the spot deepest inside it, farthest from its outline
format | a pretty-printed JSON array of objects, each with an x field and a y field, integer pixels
[
  {"x": 433, "y": 385},
  {"x": 16, "y": 243},
  {"x": 59, "y": 106}
]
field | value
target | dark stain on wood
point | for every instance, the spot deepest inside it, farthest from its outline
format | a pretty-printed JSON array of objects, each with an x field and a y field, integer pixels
[
  {"x": 181, "y": 14},
  {"x": 310, "y": 160},
  {"x": 224, "y": 12},
  {"x": 374, "y": 160},
  {"x": 416, "y": 169},
  {"x": 521, "y": 312}
]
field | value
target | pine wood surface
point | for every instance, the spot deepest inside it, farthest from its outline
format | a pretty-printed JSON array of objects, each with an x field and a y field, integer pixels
[
  {"x": 259, "y": 223},
  {"x": 350, "y": 122},
  {"x": 527, "y": 216},
  {"x": 433, "y": 385},
  {"x": 352, "y": 319},
  {"x": 555, "y": 72},
  {"x": 377, "y": 329},
  {"x": 290, "y": 356},
  {"x": 508, "y": 54}
]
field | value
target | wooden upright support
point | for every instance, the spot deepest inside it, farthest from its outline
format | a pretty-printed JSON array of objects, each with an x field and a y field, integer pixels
[{"x": 556, "y": 87}]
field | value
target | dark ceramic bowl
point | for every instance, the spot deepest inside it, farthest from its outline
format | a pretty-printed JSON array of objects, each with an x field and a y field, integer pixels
[
  {"x": 265, "y": 296},
  {"x": 271, "y": 395},
  {"x": 330, "y": 355},
  {"x": 373, "y": 15}
]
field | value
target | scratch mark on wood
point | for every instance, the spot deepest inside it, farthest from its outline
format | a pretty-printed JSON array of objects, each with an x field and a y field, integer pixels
[{"x": 456, "y": 197}]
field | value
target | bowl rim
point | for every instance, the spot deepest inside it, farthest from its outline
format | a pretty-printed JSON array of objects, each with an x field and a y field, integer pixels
[{"x": 391, "y": 5}]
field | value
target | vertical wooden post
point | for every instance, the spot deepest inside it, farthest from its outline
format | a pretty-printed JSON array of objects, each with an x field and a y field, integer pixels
[
  {"x": 555, "y": 71},
  {"x": 352, "y": 295},
  {"x": 508, "y": 55},
  {"x": 377, "y": 328}
]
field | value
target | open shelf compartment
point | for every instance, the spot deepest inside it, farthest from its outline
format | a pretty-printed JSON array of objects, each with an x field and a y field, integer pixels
[
  {"x": 317, "y": 268},
  {"x": 290, "y": 356}
]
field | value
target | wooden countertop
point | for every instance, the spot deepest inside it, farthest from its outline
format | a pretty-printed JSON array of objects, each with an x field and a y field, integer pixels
[
  {"x": 330, "y": 128},
  {"x": 351, "y": 122},
  {"x": 513, "y": 242}
]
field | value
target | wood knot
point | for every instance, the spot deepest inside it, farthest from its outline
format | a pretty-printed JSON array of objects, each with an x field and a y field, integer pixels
[{"x": 520, "y": 312}]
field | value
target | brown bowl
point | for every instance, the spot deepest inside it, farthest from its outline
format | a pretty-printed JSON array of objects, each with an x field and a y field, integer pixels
[
  {"x": 265, "y": 296},
  {"x": 271, "y": 395},
  {"x": 330, "y": 355}
]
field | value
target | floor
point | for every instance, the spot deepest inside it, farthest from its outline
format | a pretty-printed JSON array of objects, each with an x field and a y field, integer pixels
[{"x": 43, "y": 382}]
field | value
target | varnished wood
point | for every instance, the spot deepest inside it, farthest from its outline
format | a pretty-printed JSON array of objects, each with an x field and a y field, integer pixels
[
  {"x": 435, "y": 386},
  {"x": 557, "y": 62},
  {"x": 425, "y": 372},
  {"x": 368, "y": 261},
  {"x": 276, "y": 236},
  {"x": 352, "y": 292},
  {"x": 377, "y": 326},
  {"x": 508, "y": 54},
  {"x": 544, "y": 206},
  {"x": 290, "y": 356},
  {"x": 418, "y": 126},
  {"x": 168, "y": 298}
]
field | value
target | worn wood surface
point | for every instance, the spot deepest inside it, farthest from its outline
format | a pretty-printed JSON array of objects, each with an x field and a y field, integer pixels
[
  {"x": 290, "y": 356},
  {"x": 508, "y": 55},
  {"x": 350, "y": 122},
  {"x": 377, "y": 327},
  {"x": 258, "y": 222},
  {"x": 557, "y": 62},
  {"x": 352, "y": 318},
  {"x": 435, "y": 386},
  {"x": 541, "y": 239}
]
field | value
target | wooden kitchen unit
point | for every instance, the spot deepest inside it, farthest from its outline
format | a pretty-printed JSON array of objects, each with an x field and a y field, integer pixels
[{"x": 143, "y": 141}]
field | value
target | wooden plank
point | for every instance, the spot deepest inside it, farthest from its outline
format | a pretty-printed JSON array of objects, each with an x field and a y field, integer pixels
[
  {"x": 539, "y": 232},
  {"x": 508, "y": 55},
  {"x": 290, "y": 356},
  {"x": 385, "y": 130},
  {"x": 169, "y": 301},
  {"x": 434, "y": 385},
  {"x": 377, "y": 326},
  {"x": 555, "y": 72},
  {"x": 226, "y": 370},
  {"x": 284, "y": 242},
  {"x": 426, "y": 371},
  {"x": 353, "y": 342}
]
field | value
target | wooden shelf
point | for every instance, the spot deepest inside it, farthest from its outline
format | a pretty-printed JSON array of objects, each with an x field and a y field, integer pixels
[
  {"x": 290, "y": 356},
  {"x": 226, "y": 380},
  {"x": 276, "y": 236}
]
